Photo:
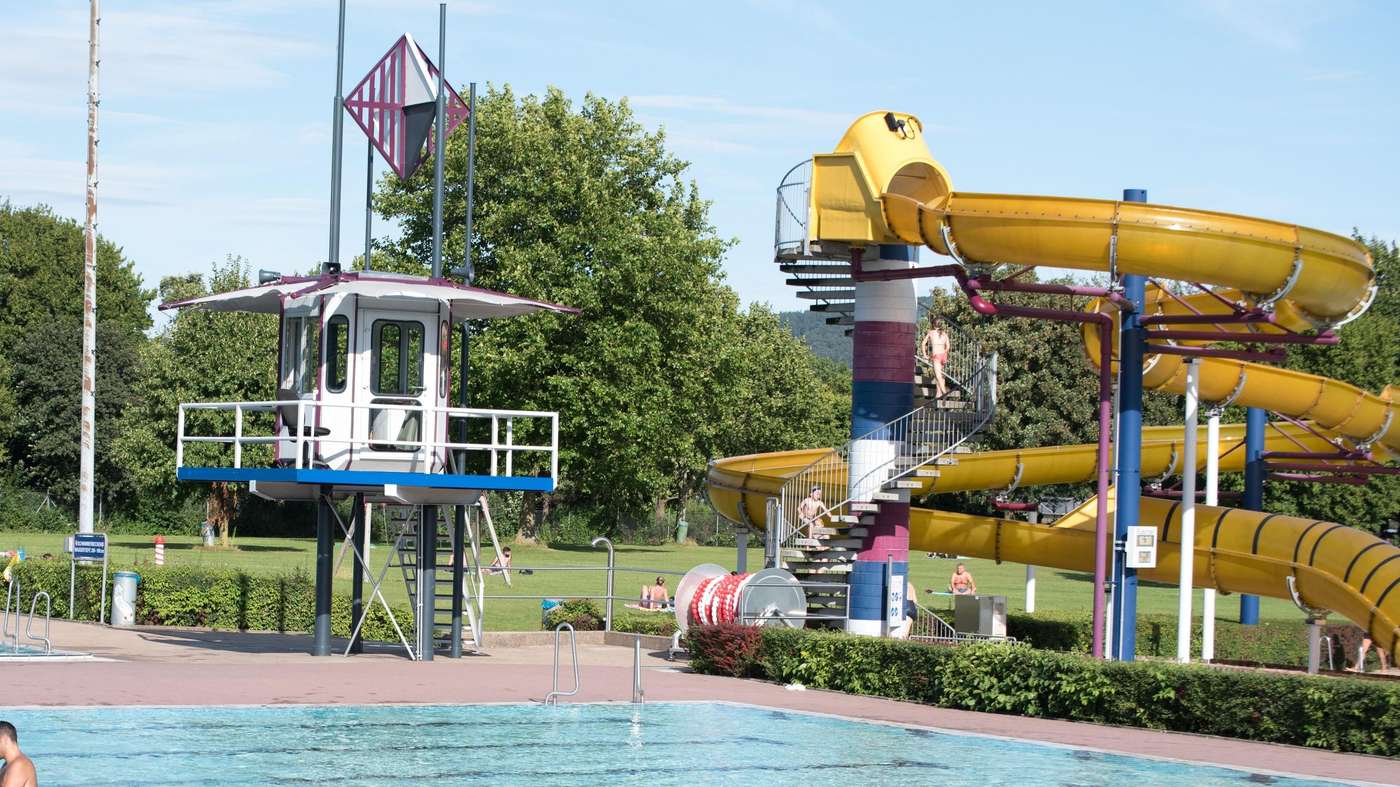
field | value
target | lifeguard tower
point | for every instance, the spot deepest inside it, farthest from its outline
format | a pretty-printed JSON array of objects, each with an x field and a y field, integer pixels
[{"x": 363, "y": 410}]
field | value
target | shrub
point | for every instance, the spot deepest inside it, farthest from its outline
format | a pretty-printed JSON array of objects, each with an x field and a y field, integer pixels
[
  {"x": 581, "y": 613},
  {"x": 1328, "y": 713},
  {"x": 1280, "y": 643},
  {"x": 210, "y": 598},
  {"x": 726, "y": 649},
  {"x": 657, "y": 624}
]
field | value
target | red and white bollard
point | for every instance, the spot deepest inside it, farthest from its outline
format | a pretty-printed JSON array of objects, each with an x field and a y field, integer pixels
[{"x": 160, "y": 550}]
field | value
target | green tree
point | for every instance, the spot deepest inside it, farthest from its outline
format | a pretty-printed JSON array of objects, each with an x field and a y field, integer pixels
[
  {"x": 198, "y": 357},
  {"x": 582, "y": 206},
  {"x": 41, "y": 301}
]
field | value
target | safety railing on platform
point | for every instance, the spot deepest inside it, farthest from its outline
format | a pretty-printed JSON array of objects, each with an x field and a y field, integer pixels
[
  {"x": 929, "y": 627},
  {"x": 500, "y": 449},
  {"x": 790, "y": 224},
  {"x": 889, "y": 452}
]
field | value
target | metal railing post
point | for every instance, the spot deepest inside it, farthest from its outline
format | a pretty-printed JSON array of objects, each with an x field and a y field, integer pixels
[
  {"x": 180, "y": 438},
  {"x": 637, "y": 693},
  {"x": 238, "y": 435},
  {"x": 612, "y": 556}
]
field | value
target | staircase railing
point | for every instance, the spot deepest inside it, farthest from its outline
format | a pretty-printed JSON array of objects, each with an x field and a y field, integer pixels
[{"x": 896, "y": 449}]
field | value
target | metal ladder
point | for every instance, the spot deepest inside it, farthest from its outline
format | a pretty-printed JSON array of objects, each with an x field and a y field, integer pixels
[{"x": 410, "y": 528}]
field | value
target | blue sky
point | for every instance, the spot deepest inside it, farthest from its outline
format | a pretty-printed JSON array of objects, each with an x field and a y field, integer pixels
[{"x": 216, "y": 115}]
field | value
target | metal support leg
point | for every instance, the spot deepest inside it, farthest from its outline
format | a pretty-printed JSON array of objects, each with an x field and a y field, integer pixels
[
  {"x": 459, "y": 539},
  {"x": 321, "y": 641},
  {"x": 426, "y": 582},
  {"x": 1256, "y": 421},
  {"x": 357, "y": 583},
  {"x": 1129, "y": 483},
  {"x": 741, "y": 558}
]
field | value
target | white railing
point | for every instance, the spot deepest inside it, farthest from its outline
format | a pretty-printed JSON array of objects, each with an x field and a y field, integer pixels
[
  {"x": 891, "y": 451},
  {"x": 501, "y": 447},
  {"x": 929, "y": 627}
]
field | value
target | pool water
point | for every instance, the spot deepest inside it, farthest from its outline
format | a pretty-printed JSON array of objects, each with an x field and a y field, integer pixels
[{"x": 653, "y": 744}]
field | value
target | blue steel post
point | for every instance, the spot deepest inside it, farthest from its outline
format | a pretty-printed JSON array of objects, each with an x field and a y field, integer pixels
[
  {"x": 1129, "y": 477},
  {"x": 1256, "y": 421}
]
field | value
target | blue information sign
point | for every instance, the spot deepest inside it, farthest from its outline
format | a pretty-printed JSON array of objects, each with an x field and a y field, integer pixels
[{"x": 90, "y": 546}]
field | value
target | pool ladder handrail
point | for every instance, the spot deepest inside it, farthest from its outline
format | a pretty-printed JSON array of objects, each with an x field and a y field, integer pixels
[
  {"x": 552, "y": 698},
  {"x": 11, "y": 599},
  {"x": 637, "y": 693},
  {"x": 29, "y": 627}
]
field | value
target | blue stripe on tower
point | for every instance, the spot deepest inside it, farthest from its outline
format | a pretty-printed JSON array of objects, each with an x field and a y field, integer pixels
[{"x": 882, "y": 378}]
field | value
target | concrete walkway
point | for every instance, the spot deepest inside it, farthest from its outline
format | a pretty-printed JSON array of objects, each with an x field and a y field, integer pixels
[{"x": 191, "y": 667}]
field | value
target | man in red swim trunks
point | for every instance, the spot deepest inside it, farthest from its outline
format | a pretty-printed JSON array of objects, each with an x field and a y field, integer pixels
[
  {"x": 934, "y": 346},
  {"x": 962, "y": 583}
]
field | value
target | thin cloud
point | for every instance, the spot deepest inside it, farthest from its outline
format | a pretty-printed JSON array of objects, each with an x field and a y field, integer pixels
[{"x": 1278, "y": 24}]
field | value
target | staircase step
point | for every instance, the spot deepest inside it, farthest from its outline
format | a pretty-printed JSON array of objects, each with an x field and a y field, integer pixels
[
  {"x": 844, "y": 294},
  {"x": 835, "y": 568},
  {"x": 926, "y": 472},
  {"x": 844, "y": 518},
  {"x": 903, "y": 484},
  {"x": 890, "y": 497},
  {"x": 868, "y": 508}
]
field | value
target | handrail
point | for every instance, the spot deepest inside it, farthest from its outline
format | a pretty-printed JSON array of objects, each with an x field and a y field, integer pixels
[
  {"x": 930, "y": 627},
  {"x": 611, "y": 568},
  {"x": 11, "y": 597},
  {"x": 552, "y": 698},
  {"x": 29, "y": 627},
  {"x": 901, "y": 447},
  {"x": 637, "y": 693},
  {"x": 495, "y": 447}
]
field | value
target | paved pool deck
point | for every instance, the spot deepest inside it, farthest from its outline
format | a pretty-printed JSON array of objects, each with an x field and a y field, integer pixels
[{"x": 163, "y": 666}]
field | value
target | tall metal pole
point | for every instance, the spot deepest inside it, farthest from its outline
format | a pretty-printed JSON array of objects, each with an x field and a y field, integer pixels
[
  {"x": 426, "y": 581},
  {"x": 369, "y": 200},
  {"x": 1256, "y": 421},
  {"x": 468, "y": 271},
  {"x": 1212, "y": 499},
  {"x": 1129, "y": 484},
  {"x": 441, "y": 141},
  {"x": 337, "y": 127},
  {"x": 1188, "y": 514},
  {"x": 88, "y": 427}
]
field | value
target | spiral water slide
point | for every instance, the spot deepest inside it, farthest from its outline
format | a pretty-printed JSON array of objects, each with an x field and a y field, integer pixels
[{"x": 881, "y": 185}]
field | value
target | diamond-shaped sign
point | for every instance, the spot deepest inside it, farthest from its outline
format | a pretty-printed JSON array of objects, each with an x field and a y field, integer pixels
[{"x": 394, "y": 104}]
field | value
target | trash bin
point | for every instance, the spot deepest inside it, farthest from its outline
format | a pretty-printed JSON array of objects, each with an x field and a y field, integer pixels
[
  {"x": 682, "y": 530},
  {"x": 545, "y": 606},
  {"x": 209, "y": 532},
  {"x": 124, "y": 597},
  {"x": 984, "y": 615}
]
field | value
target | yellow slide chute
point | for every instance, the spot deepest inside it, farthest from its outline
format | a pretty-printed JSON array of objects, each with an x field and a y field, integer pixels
[{"x": 881, "y": 185}]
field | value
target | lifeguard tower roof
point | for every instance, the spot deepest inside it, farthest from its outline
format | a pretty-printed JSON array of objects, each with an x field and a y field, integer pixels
[
  {"x": 364, "y": 397},
  {"x": 464, "y": 302}
]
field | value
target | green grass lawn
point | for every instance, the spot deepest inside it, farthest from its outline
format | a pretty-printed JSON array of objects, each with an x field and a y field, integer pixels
[{"x": 1057, "y": 590}]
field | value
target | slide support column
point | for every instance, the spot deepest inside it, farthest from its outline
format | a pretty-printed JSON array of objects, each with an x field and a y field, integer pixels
[
  {"x": 360, "y": 522},
  {"x": 1256, "y": 421},
  {"x": 1212, "y": 499},
  {"x": 1188, "y": 514},
  {"x": 1129, "y": 481},
  {"x": 882, "y": 389}
]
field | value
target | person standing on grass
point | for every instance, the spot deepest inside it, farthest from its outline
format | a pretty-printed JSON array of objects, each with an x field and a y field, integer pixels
[
  {"x": 934, "y": 346},
  {"x": 18, "y": 770},
  {"x": 962, "y": 583}
]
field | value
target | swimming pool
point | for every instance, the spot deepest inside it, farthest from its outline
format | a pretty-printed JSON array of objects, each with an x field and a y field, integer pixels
[{"x": 653, "y": 744}]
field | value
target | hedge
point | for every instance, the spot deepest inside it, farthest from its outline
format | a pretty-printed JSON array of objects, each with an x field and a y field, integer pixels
[
  {"x": 585, "y": 615},
  {"x": 1327, "y": 713},
  {"x": 212, "y": 598},
  {"x": 1280, "y": 643}
]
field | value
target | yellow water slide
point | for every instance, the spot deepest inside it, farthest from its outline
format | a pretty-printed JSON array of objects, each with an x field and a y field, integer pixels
[{"x": 881, "y": 185}]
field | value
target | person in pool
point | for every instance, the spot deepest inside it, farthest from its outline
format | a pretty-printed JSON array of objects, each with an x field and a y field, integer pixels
[
  {"x": 962, "y": 583},
  {"x": 19, "y": 769}
]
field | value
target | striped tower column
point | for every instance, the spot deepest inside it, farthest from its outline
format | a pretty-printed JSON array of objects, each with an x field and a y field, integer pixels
[{"x": 882, "y": 389}]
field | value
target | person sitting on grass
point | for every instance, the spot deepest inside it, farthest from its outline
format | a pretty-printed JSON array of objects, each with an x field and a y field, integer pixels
[
  {"x": 653, "y": 597},
  {"x": 19, "y": 769},
  {"x": 962, "y": 583},
  {"x": 501, "y": 564}
]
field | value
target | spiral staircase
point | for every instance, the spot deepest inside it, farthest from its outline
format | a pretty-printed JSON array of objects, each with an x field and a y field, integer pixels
[{"x": 820, "y": 554}]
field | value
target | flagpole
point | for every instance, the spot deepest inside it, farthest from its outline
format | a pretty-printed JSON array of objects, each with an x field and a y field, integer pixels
[{"x": 88, "y": 428}]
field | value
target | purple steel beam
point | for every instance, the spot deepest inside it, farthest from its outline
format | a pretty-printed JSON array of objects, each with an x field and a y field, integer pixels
[
  {"x": 1251, "y": 338},
  {"x": 1105, "y": 325},
  {"x": 1339, "y": 454},
  {"x": 1175, "y": 494},
  {"x": 1348, "y": 480},
  {"x": 1318, "y": 467},
  {"x": 1206, "y": 352},
  {"x": 1007, "y": 505},
  {"x": 1245, "y": 318},
  {"x": 1051, "y": 289}
]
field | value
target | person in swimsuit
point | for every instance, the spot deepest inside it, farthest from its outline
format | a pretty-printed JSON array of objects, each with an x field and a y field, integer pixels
[
  {"x": 962, "y": 583},
  {"x": 656, "y": 596},
  {"x": 19, "y": 769},
  {"x": 810, "y": 511},
  {"x": 935, "y": 346}
]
